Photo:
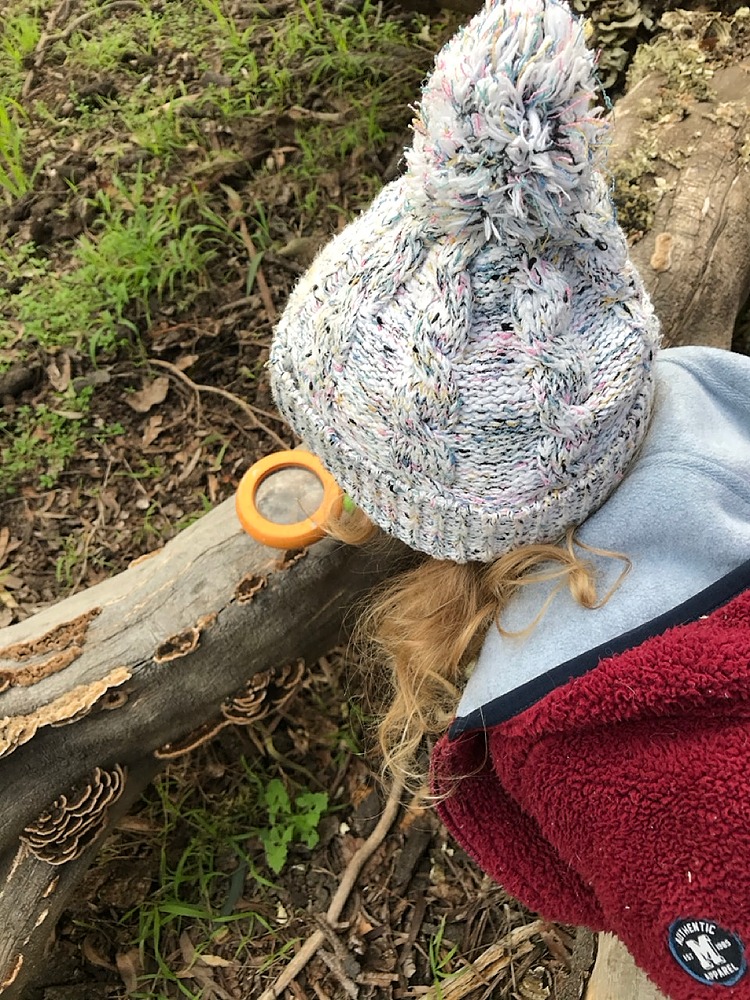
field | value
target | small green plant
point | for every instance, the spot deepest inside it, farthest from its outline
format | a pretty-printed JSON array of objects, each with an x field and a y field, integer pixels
[
  {"x": 155, "y": 123},
  {"x": 20, "y": 33},
  {"x": 196, "y": 515},
  {"x": 440, "y": 959},
  {"x": 230, "y": 34},
  {"x": 41, "y": 439},
  {"x": 14, "y": 179},
  {"x": 59, "y": 310},
  {"x": 289, "y": 822},
  {"x": 104, "y": 49},
  {"x": 144, "y": 250},
  {"x": 68, "y": 560},
  {"x": 140, "y": 250}
]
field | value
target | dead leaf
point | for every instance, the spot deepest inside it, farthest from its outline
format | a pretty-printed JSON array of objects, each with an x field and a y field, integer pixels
[
  {"x": 59, "y": 375},
  {"x": 190, "y": 465},
  {"x": 186, "y": 361},
  {"x": 233, "y": 199},
  {"x": 210, "y": 988},
  {"x": 94, "y": 955},
  {"x": 137, "y": 824},
  {"x": 68, "y": 414},
  {"x": 297, "y": 113},
  {"x": 187, "y": 949},
  {"x": 216, "y": 961},
  {"x": 129, "y": 967},
  {"x": 7, "y": 599},
  {"x": 213, "y": 487},
  {"x": 100, "y": 376},
  {"x": 152, "y": 393},
  {"x": 153, "y": 429},
  {"x": 302, "y": 248}
]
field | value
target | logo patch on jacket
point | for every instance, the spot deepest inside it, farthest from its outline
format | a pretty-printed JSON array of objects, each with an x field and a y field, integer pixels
[{"x": 707, "y": 952}]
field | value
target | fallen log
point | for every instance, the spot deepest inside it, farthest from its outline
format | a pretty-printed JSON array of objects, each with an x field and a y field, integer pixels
[
  {"x": 98, "y": 690},
  {"x": 684, "y": 162}
]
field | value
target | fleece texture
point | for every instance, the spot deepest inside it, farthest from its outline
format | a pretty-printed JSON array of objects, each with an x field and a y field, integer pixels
[
  {"x": 621, "y": 801},
  {"x": 472, "y": 358},
  {"x": 682, "y": 515}
]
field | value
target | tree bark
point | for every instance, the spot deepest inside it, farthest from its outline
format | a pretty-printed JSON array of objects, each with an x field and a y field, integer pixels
[
  {"x": 97, "y": 690},
  {"x": 615, "y": 976},
  {"x": 693, "y": 254}
]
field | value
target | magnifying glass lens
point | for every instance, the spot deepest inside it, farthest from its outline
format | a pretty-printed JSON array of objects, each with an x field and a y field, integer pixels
[
  {"x": 285, "y": 500},
  {"x": 289, "y": 495}
]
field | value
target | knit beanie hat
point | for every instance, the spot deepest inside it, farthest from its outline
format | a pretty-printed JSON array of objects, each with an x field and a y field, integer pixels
[{"x": 471, "y": 358}]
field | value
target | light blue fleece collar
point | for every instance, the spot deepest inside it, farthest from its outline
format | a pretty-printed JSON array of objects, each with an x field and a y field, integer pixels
[{"x": 682, "y": 515}]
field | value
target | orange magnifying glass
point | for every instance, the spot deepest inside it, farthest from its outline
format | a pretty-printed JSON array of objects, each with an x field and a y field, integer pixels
[{"x": 269, "y": 506}]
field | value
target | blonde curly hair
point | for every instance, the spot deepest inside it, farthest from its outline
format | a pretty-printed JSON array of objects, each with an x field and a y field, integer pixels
[{"x": 423, "y": 629}]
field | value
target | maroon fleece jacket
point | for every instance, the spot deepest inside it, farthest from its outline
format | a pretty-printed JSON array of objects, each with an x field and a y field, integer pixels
[{"x": 620, "y": 799}]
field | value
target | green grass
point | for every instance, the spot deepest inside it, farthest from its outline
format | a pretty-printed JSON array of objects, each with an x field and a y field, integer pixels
[
  {"x": 39, "y": 439},
  {"x": 441, "y": 957},
  {"x": 106, "y": 50},
  {"x": 15, "y": 180},
  {"x": 19, "y": 33},
  {"x": 141, "y": 249},
  {"x": 157, "y": 227},
  {"x": 207, "y": 848}
]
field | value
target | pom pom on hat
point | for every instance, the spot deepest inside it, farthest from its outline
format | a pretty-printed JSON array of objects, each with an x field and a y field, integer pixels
[
  {"x": 506, "y": 127},
  {"x": 471, "y": 358}
]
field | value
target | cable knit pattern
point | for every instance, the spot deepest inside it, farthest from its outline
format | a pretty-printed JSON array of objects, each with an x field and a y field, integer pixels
[{"x": 472, "y": 357}]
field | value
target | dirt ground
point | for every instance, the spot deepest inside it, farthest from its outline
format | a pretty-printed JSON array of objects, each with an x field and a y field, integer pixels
[
  {"x": 182, "y": 901},
  {"x": 420, "y": 910}
]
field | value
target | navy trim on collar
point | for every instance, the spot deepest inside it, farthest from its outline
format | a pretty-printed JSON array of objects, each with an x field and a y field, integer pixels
[{"x": 505, "y": 707}]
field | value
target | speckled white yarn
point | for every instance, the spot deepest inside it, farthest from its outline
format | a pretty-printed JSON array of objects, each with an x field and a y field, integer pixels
[
  {"x": 472, "y": 357},
  {"x": 506, "y": 126}
]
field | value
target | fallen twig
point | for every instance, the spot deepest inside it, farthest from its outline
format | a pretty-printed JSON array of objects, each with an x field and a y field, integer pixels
[
  {"x": 252, "y": 411},
  {"x": 41, "y": 46},
  {"x": 479, "y": 972},
  {"x": 334, "y": 964},
  {"x": 68, "y": 30},
  {"x": 351, "y": 874},
  {"x": 235, "y": 207}
]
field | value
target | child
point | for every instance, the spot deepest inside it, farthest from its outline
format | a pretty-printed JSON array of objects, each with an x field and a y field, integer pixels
[{"x": 474, "y": 360}]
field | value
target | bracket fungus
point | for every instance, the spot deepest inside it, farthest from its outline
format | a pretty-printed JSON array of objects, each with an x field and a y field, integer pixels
[
  {"x": 52, "y": 651},
  {"x": 266, "y": 692},
  {"x": 184, "y": 642},
  {"x": 76, "y": 819},
  {"x": 248, "y": 587},
  {"x": 70, "y": 707}
]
